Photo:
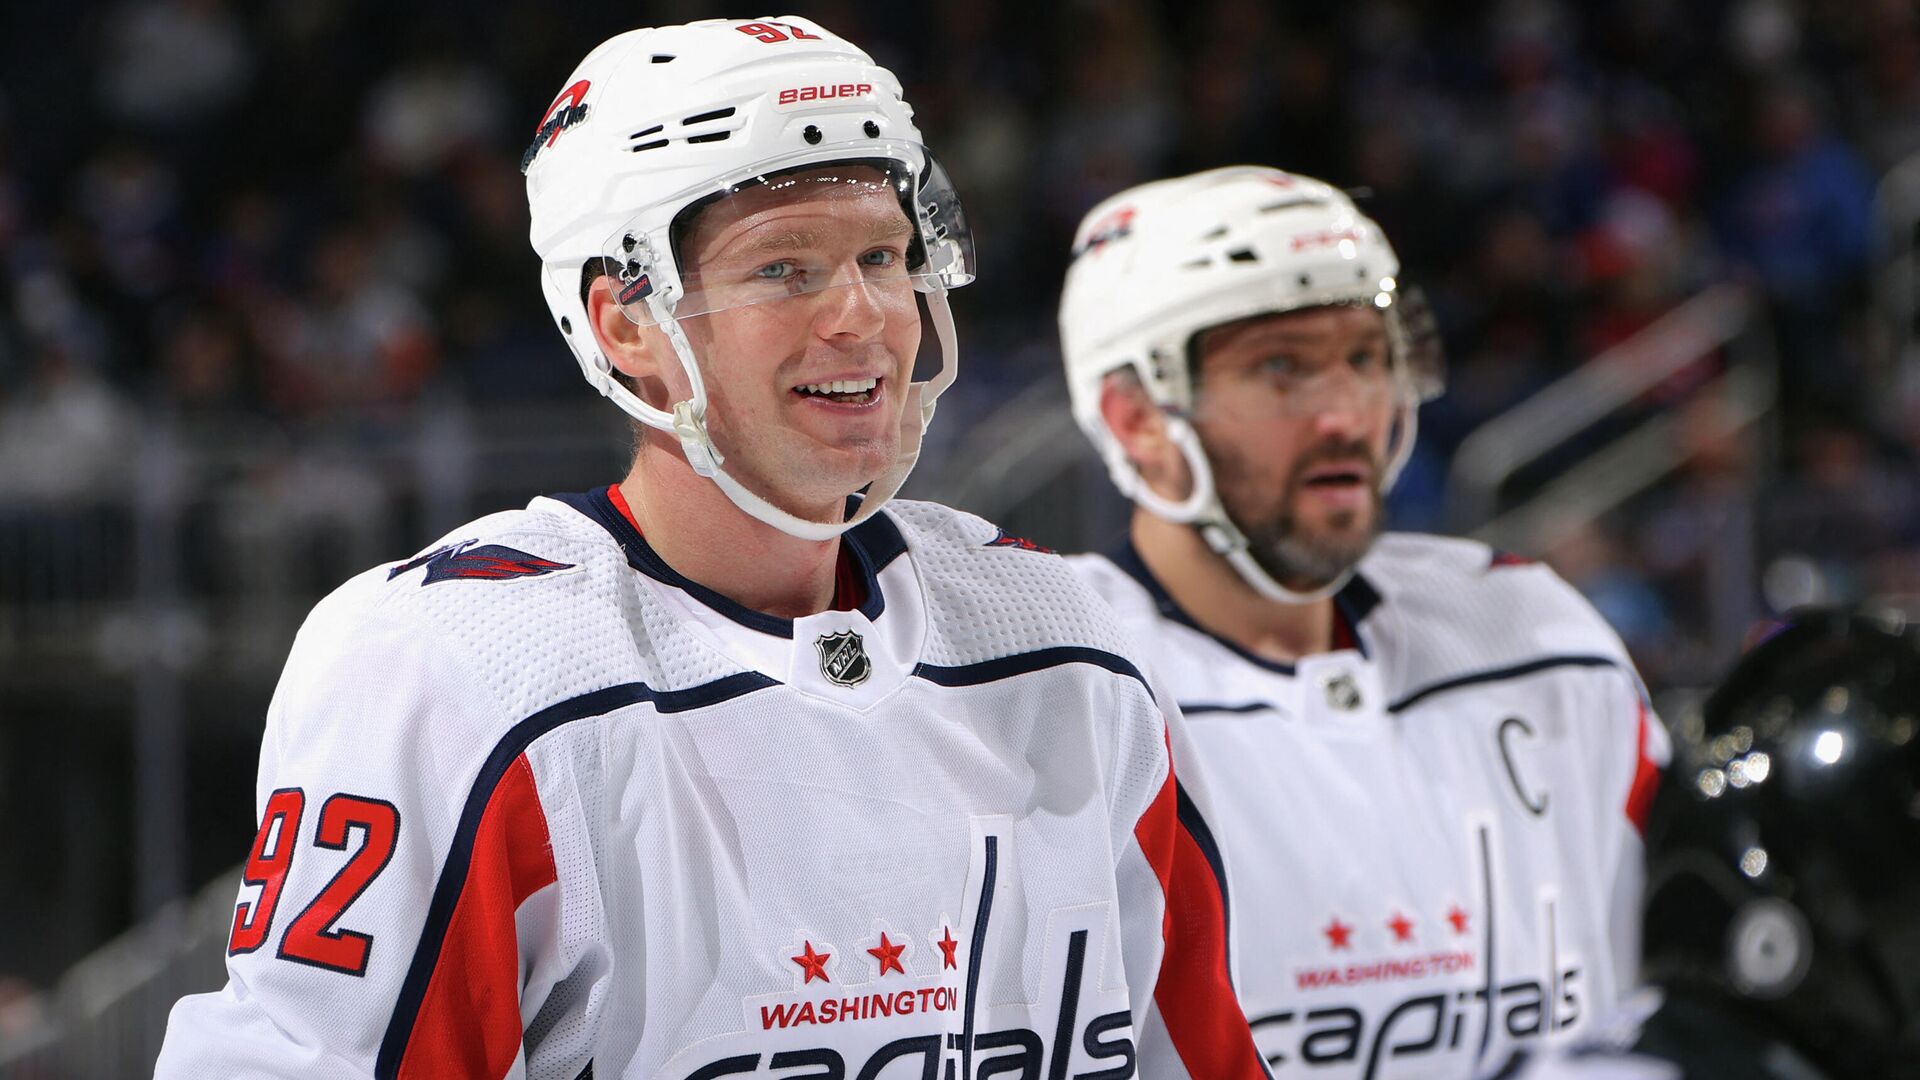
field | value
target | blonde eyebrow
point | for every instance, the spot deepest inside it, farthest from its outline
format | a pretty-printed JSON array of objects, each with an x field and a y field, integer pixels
[
  {"x": 801, "y": 240},
  {"x": 786, "y": 240}
]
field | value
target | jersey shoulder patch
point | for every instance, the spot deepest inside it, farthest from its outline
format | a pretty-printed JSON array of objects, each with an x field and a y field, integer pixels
[
  {"x": 1004, "y": 539},
  {"x": 535, "y": 606},
  {"x": 469, "y": 560}
]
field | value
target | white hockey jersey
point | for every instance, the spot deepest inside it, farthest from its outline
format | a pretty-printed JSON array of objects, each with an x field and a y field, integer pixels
[
  {"x": 534, "y": 805},
  {"x": 1430, "y": 834}
]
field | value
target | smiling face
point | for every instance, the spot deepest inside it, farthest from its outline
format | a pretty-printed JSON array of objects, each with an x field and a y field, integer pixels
[
  {"x": 1295, "y": 411},
  {"x": 809, "y": 332}
]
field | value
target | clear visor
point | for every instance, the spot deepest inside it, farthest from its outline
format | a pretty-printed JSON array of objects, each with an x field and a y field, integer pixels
[
  {"x": 1337, "y": 386},
  {"x": 1418, "y": 355},
  {"x": 863, "y": 233},
  {"x": 1401, "y": 366}
]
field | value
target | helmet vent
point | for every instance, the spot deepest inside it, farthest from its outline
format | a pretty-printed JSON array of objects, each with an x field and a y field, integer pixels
[
  {"x": 1197, "y": 264},
  {"x": 655, "y": 129},
  {"x": 1243, "y": 255},
  {"x": 663, "y": 58},
  {"x": 1218, "y": 233},
  {"x": 1288, "y": 204},
  {"x": 717, "y": 114},
  {"x": 654, "y": 145},
  {"x": 711, "y": 136}
]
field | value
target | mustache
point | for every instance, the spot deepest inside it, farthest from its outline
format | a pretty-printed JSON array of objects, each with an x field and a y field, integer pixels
[{"x": 1336, "y": 451}]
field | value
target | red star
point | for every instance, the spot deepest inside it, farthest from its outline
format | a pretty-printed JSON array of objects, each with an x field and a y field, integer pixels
[
  {"x": 1458, "y": 918},
  {"x": 1401, "y": 927},
  {"x": 889, "y": 955},
  {"x": 1337, "y": 933},
  {"x": 947, "y": 945},
  {"x": 814, "y": 963}
]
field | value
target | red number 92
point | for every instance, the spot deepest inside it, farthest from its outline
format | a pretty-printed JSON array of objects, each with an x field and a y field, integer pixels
[
  {"x": 773, "y": 33},
  {"x": 312, "y": 937}
]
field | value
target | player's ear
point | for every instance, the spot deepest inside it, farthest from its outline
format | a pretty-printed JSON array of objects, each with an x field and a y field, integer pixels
[
  {"x": 1140, "y": 427},
  {"x": 641, "y": 354}
]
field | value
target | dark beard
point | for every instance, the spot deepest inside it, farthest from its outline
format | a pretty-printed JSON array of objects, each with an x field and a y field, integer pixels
[{"x": 1297, "y": 559}]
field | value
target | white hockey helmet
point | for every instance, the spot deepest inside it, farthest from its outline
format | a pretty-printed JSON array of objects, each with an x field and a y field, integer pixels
[
  {"x": 1160, "y": 263},
  {"x": 657, "y": 123}
]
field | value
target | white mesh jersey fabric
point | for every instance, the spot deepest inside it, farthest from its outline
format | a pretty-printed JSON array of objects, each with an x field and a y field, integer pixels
[
  {"x": 1428, "y": 843},
  {"x": 1454, "y": 607},
  {"x": 620, "y": 843},
  {"x": 989, "y": 601}
]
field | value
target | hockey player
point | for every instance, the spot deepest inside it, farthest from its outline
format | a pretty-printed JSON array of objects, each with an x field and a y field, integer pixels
[
  {"x": 1783, "y": 866},
  {"x": 722, "y": 771},
  {"x": 1429, "y": 760}
]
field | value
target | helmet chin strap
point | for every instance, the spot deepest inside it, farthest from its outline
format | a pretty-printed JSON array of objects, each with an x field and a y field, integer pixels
[
  {"x": 1202, "y": 508},
  {"x": 688, "y": 424}
]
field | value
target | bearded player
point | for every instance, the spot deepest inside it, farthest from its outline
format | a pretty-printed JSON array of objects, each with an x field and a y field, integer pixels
[
  {"x": 724, "y": 770},
  {"x": 1430, "y": 761}
]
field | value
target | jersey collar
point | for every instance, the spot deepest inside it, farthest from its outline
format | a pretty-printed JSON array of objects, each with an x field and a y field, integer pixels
[
  {"x": 871, "y": 545},
  {"x": 1352, "y": 604}
]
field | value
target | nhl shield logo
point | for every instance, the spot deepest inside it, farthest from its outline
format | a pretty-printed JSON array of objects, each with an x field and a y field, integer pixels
[
  {"x": 1342, "y": 691},
  {"x": 843, "y": 658}
]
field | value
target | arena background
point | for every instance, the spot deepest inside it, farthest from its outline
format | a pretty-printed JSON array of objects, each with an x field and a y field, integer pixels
[{"x": 268, "y": 316}]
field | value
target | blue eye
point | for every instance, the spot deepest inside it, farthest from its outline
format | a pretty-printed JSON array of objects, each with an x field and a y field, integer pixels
[
  {"x": 779, "y": 271},
  {"x": 1365, "y": 359},
  {"x": 1283, "y": 366},
  {"x": 880, "y": 257}
]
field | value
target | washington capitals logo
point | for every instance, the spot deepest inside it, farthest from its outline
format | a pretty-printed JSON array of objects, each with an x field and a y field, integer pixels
[
  {"x": 843, "y": 658},
  {"x": 1117, "y": 225},
  {"x": 489, "y": 562},
  {"x": 1507, "y": 558},
  {"x": 1002, "y": 539},
  {"x": 567, "y": 110}
]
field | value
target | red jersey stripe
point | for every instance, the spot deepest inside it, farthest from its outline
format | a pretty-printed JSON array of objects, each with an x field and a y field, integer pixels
[
  {"x": 1646, "y": 780},
  {"x": 1195, "y": 991},
  {"x": 469, "y": 1021},
  {"x": 619, "y": 501}
]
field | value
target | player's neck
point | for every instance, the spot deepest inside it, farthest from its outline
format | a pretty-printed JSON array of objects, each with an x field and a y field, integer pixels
[
  {"x": 1207, "y": 588},
  {"x": 690, "y": 523}
]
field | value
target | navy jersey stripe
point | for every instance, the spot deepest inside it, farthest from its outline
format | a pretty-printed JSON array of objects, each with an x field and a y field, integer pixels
[
  {"x": 874, "y": 544},
  {"x": 1006, "y": 667},
  {"x": 1512, "y": 671},
  {"x": 976, "y": 952},
  {"x": 453, "y": 874},
  {"x": 1199, "y": 708},
  {"x": 1355, "y": 601},
  {"x": 1196, "y": 826}
]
